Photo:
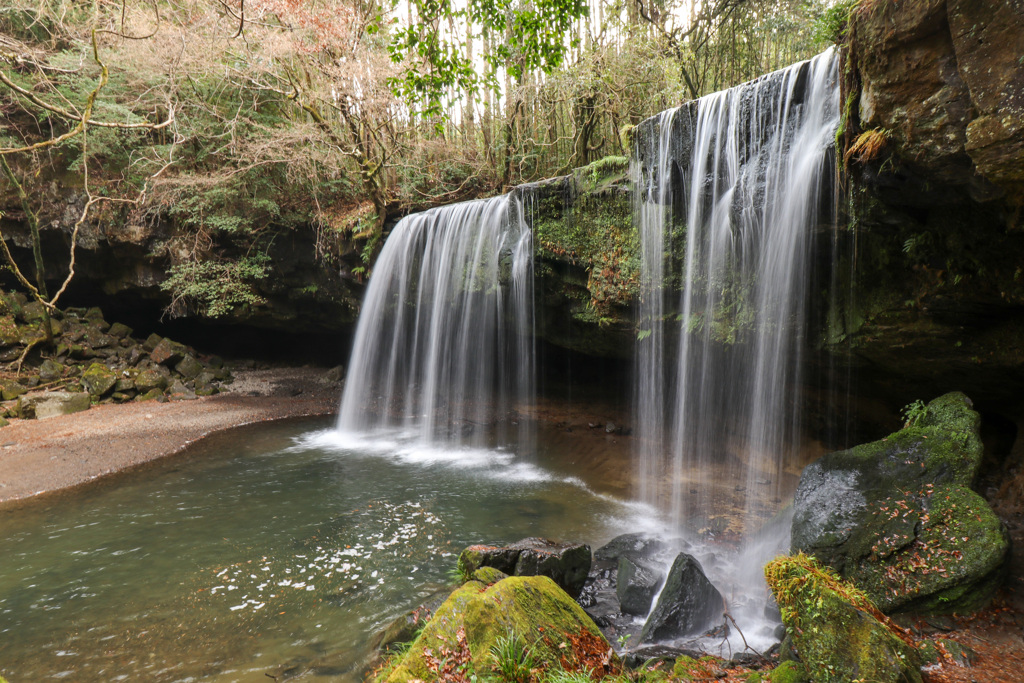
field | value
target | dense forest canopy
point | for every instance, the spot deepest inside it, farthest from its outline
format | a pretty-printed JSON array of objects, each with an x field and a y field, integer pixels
[{"x": 240, "y": 119}]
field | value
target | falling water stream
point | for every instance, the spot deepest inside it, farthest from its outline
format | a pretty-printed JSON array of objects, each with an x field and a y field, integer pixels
[
  {"x": 730, "y": 193},
  {"x": 443, "y": 345},
  {"x": 731, "y": 189}
]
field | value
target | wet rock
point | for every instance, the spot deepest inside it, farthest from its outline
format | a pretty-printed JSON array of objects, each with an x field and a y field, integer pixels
[
  {"x": 150, "y": 395},
  {"x": 688, "y": 603},
  {"x": 119, "y": 331},
  {"x": 3, "y": 422},
  {"x": 152, "y": 341},
  {"x": 189, "y": 367},
  {"x": 335, "y": 374},
  {"x": 636, "y": 545},
  {"x": 566, "y": 563},
  {"x": 658, "y": 653},
  {"x": 847, "y": 642},
  {"x": 168, "y": 353},
  {"x": 206, "y": 390},
  {"x": 56, "y": 403},
  {"x": 876, "y": 512},
  {"x": 636, "y": 585},
  {"x": 98, "y": 379},
  {"x": 50, "y": 371}
]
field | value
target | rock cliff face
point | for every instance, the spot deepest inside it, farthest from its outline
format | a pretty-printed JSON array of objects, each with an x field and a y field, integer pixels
[
  {"x": 946, "y": 80},
  {"x": 308, "y": 287},
  {"x": 935, "y": 213}
]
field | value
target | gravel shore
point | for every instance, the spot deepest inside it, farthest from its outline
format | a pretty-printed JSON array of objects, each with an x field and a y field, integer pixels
[{"x": 40, "y": 456}]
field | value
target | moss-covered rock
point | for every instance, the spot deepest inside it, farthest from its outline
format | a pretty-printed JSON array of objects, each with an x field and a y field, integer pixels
[
  {"x": 840, "y": 635},
  {"x": 10, "y": 390},
  {"x": 9, "y": 333},
  {"x": 898, "y": 518},
  {"x": 98, "y": 379},
  {"x": 475, "y": 616},
  {"x": 148, "y": 380},
  {"x": 788, "y": 672},
  {"x": 488, "y": 575},
  {"x": 943, "y": 650},
  {"x": 687, "y": 668}
]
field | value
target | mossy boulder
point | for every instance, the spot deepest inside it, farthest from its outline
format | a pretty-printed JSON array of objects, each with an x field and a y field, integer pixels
[
  {"x": 50, "y": 371},
  {"x": 475, "y": 616},
  {"x": 687, "y": 668},
  {"x": 840, "y": 634},
  {"x": 147, "y": 380},
  {"x": 10, "y": 390},
  {"x": 897, "y": 516},
  {"x": 9, "y": 333},
  {"x": 943, "y": 650},
  {"x": 788, "y": 672},
  {"x": 168, "y": 353},
  {"x": 119, "y": 331},
  {"x": 98, "y": 379}
]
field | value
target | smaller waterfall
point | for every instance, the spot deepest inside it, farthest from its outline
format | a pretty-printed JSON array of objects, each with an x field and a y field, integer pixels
[{"x": 443, "y": 345}]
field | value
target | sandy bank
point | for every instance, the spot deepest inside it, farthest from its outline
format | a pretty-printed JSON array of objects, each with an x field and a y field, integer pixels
[{"x": 40, "y": 456}]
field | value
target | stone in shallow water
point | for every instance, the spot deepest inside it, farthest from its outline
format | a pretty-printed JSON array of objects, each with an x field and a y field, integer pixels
[
  {"x": 636, "y": 585},
  {"x": 637, "y": 545},
  {"x": 688, "y": 604},
  {"x": 566, "y": 563}
]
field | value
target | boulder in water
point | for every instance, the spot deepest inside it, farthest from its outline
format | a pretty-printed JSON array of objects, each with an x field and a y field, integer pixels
[
  {"x": 840, "y": 634},
  {"x": 688, "y": 603},
  {"x": 897, "y": 516},
  {"x": 566, "y": 563},
  {"x": 636, "y": 584},
  {"x": 635, "y": 545}
]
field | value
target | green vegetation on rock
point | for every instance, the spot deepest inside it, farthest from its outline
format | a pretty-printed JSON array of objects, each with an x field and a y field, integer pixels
[
  {"x": 897, "y": 516},
  {"x": 788, "y": 672},
  {"x": 473, "y": 620},
  {"x": 840, "y": 635}
]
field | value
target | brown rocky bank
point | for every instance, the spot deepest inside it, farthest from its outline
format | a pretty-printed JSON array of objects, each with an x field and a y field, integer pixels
[{"x": 40, "y": 456}]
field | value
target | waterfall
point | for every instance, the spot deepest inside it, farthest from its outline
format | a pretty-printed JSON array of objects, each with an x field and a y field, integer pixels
[
  {"x": 731, "y": 190},
  {"x": 443, "y": 344}
]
